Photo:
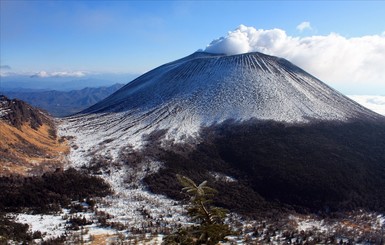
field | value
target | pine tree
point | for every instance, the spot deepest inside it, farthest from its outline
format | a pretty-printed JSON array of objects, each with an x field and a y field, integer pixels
[{"x": 209, "y": 227}]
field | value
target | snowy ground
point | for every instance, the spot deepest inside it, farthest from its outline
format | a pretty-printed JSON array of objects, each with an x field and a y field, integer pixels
[
  {"x": 129, "y": 212},
  {"x": 136, "y": 215},
  {"x": 350, "y": 227},
  {"x": 50, "y": 226},
  {"x": 132, "y": 205},
  {"x": 133, "y": 213}
]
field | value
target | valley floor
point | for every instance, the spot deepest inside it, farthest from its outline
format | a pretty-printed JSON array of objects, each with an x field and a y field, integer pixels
[{"x": 132, "y": 215}]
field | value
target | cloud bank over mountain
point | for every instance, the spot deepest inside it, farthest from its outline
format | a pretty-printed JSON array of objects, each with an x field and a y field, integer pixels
[
  {"x": 335, "y": 59},
  {"x": 375, "y": 103}
]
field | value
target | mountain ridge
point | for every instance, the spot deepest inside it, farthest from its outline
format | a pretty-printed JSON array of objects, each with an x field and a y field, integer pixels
[
  {"x": 64, "y": 103},
  {"x": 206, "y": 89},
  {"x": 186, "y": 73}
]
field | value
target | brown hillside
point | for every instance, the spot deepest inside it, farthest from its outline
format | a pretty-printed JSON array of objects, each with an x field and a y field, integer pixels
[{"x": 28, "y": 140}]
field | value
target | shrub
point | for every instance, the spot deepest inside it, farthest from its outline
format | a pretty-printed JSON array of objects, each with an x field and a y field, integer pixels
[{"x": 209, "y": 227}]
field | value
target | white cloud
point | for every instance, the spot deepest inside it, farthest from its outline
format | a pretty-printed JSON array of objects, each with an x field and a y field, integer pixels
[
  {"x": 5, "y": 67},
  {"x": 5, "y": 70},
  {"x": 44, "y": 74},
  {"x": 340, "y": 61},
  {"x": 303, "y": 26},
  {"x": 374, "y": 103},
  {"x": 3, "y": 74}
]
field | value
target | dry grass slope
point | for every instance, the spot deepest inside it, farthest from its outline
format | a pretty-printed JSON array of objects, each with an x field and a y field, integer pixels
[{"x": 26, "y": 150}]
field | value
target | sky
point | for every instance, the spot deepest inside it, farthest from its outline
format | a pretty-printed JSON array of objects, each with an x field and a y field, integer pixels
[{"x": 340, "y": 42}]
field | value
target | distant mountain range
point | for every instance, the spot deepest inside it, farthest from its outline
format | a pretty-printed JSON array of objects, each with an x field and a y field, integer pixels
[
  {"x": 63, "y": 103},
  {"x": 27, "y": 82}
]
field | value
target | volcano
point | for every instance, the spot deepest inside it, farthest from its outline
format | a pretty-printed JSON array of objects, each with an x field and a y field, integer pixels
[
  {"x": 259, "y": 118},
  {"x": 209, "y": 88},
  {"x": 204, "y": 89}
]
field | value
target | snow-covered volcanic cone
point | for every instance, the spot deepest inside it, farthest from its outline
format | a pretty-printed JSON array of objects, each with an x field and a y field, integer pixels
[
  {"x": 205, "y": 89},
  {"x": 257, "y": 118}
]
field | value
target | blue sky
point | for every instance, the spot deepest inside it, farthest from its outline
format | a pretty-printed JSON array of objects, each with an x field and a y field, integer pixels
[{"x": 136, "y": 36}]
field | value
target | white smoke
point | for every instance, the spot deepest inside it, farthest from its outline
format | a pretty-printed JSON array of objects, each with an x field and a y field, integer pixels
[
  {"x": 332, "y": 58},
  {"x": 248, "y": 39}
]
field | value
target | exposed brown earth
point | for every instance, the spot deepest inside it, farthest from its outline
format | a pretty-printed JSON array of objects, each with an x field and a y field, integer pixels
[{"x": 28, "y": 139}]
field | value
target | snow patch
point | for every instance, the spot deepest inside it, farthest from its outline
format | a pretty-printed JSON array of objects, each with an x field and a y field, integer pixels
[
  {"x": 309, "y": 224},
  {"x": 222, "y": 177},
  {"x": 51, "y": 225},
  {"x": 135, "y": 207}
]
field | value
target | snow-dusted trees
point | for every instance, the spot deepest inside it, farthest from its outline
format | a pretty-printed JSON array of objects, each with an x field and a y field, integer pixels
[{"x": 208, "y": 227}]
